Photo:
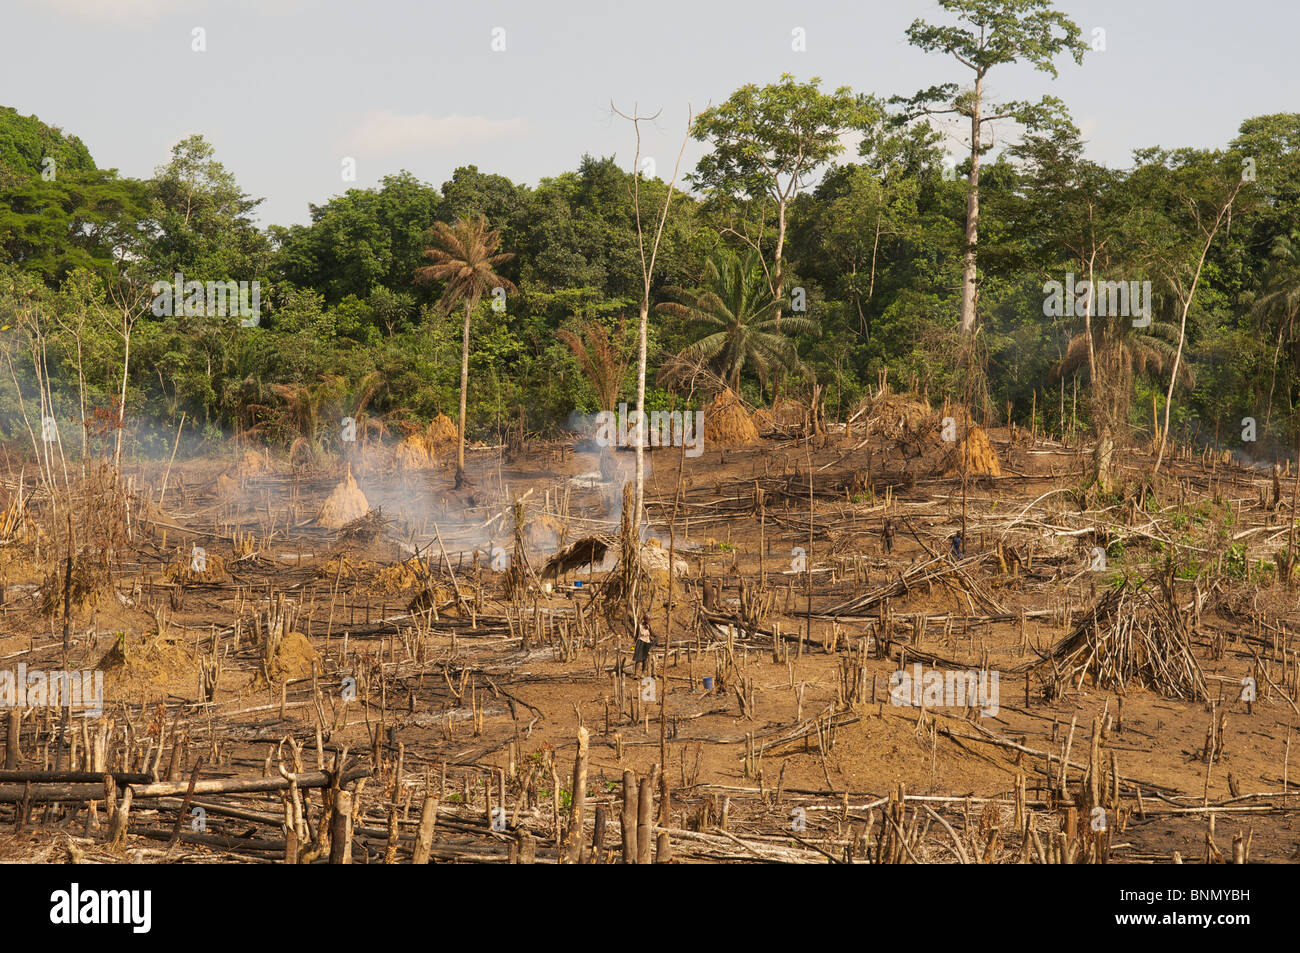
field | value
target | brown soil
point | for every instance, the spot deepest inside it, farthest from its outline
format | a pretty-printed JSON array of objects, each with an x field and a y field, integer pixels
[{"x": 459, "y": 674}]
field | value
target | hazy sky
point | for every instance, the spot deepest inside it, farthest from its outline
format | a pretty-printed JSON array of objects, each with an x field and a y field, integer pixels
[{"x": 287, "y": 88}]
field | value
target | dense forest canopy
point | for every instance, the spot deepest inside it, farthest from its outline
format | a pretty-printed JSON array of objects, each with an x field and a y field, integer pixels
[{"x": 789, "y": 261}]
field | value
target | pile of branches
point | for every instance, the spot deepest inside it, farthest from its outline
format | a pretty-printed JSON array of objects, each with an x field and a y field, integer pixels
[
  {"x": 941, "y": 569},
  {"x": 364, "y": 529},
  {"x": 1132, "y": 634}
]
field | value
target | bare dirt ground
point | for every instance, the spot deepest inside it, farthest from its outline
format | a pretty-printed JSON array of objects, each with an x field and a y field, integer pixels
[{"x": 423, "y": 644}]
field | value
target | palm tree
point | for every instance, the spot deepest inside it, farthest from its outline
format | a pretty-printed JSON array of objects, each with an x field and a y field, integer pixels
[
  {"x": 602, "y": 357},
  {"x": 742, "y": 318},
  {"x": 464, "y": 255},
  {"x": 1118, "y": 353},
  {"x": 1280, "y": 301}
]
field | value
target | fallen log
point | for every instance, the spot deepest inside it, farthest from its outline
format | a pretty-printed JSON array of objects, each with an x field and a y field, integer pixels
[
  {"x": 44, "y": 793},
  {"x": 307, "y": 779},
  {"x": 38, "y": 792},
  {"x": 73, "y": 777}
]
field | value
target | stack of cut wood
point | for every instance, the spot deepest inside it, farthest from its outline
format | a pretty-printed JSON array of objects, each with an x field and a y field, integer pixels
[{"x": 1131, "y": 636}]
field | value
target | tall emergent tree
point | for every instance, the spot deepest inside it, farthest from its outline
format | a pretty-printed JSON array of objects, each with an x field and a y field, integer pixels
[
  {"x": 204, "y": 220},
  {"x": 465, "y": 256},
  {"x": 769, "y": 143},
  {"x": 992, "y": 32}
]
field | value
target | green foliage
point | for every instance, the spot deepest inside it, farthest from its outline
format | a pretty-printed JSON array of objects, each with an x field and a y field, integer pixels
[
  {"x": 872, "y": 243},
  {"x": 740, "y": 319},
  {"x": 361, "y": 240},
  {"x": 58, "y": 212}
]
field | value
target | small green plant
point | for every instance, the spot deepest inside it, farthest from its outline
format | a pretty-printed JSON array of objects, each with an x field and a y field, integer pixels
[
  {"x": 1234, "y": 561},
  {"x": 1263, "y": 573}
]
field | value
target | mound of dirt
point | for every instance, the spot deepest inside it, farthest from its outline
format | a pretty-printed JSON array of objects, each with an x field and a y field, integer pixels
[
  {"x": 544, "y": 532},
  {"x": 784, "y": 415},
  {"x": 899, "y": 415},
  {"x": 421, "y": 451},
  {"x": 345, "y": 504},
  {"x": 413, "y": 454},
  {"x": 340, "y": 567},
  {"x": 974, "y": 452},
  {"x": 402, "y": 577},
  {"x": 304, "y": 456},
  {"x": 654, "y": 561},
  {"x": 253, "y": 463},
  {"x": 137, "y": 662},
  {"x": 609, "y": 465},
  {"x": 442, "y": 596},
  {"x": 293, "y": 658},
  {"x": 196, "y": 566},
  {"x": 90, "y": 579},
  {"x": 227, "y": 487},
  {"x": 726, "y": 423},
  {"x": 441, "y": 437}
]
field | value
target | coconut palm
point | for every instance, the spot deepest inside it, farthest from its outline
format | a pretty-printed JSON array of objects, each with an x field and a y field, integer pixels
[
  {"x": 465, "y": 256},
  {"x": 742, "y": 320}
]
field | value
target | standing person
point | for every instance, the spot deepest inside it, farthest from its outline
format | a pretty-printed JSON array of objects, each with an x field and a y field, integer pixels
[{"x": 644, "y": 639}]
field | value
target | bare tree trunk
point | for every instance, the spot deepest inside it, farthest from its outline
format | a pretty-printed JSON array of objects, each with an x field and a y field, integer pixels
[
  {"x": 778, "y": 278},
  {"x": 1182, "y": 327},
  {"x": 639, "y": 500},
  {"x": 121, "y": 400},
  {"x": 1103, "y": 454},
  {"x": 647, "y": 274},
  {"x": 1104, "y": 451},
  {"x": 972, "y": 216},
  {"x": 464, "y": 387}
]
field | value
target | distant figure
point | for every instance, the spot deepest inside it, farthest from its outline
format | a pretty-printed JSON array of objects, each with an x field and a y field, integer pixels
[
  {"x": 956, "y": 546},
  {"x": 644, "y": 639},
  {"x": 887, "y": 535}
]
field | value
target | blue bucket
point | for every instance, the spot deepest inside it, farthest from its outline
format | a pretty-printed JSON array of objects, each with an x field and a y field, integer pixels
[
  {"x": 708, "y": 683},
  {"x": 577, "y": 584}
]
